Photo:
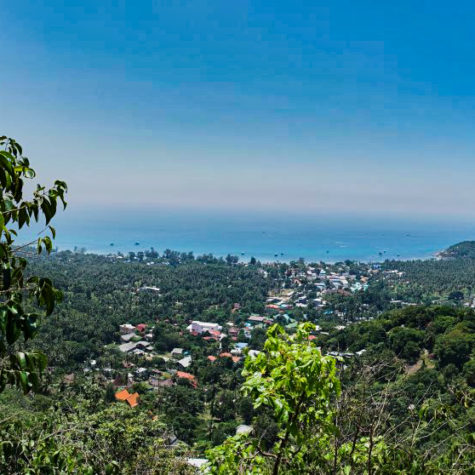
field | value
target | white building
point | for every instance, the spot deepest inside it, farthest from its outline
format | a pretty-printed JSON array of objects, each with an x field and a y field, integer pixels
[
  {"x": 185, "y": 362},
  {"x": 202, "y": 327},
  {"x": 127, "y": 347},
  {"x": 126, "y": 328},
  {"x": 149, "y": 288},
  {"x": 125, "y": 338},
  {"x": 134, "y": 347},
  {"x": 243, "y": 429},
  {"x": 177, "y": 353},
  {"x": 194, "y": 462}
]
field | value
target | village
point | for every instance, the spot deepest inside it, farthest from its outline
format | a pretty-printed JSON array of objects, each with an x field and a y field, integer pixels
[{"x": 299, "y": 291}]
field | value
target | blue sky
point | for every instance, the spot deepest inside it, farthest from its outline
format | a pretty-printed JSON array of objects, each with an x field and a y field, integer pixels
[{"x": 355, "y": 107}]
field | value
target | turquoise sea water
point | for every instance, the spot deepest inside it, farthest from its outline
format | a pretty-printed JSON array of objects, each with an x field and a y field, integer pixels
[{"x": 267, "y": 237}]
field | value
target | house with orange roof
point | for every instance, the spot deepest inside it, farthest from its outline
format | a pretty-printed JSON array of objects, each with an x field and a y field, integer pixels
[
  {"x": 235, "y": 359},
  {"x": 190, "y": 377},
  {"x": 124, "y": 395},
  {"x": 133, "y": 400}
]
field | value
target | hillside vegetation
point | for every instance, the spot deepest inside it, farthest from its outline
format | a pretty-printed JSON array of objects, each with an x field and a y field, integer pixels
[{"x": 465, "y": 249}]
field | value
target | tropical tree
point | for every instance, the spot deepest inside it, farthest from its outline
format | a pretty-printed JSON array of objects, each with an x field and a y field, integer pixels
[
  {"x": 22, "y": 297},
  {"x": 292, "y": 379}
]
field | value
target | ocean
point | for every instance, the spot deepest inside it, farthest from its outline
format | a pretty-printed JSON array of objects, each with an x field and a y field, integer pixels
[{"x": 267, "y": 237}]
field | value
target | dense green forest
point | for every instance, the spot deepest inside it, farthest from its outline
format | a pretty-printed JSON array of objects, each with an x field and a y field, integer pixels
[
  {"x": 433, "y": 280},
  {"x": 406, "y": 375},
  {"x": 100, "y": 293}
]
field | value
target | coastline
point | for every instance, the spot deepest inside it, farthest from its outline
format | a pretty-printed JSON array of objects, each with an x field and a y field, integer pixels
[
  {"x": 267, "y": 238},
  {"x": 264, "y": 259}
]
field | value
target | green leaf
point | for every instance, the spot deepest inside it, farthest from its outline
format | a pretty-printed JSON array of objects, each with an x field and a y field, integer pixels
[
  {"x": 47, "y": 210},
  {"x": 53, "y": 231},
  {"x": 9, "y": 205},
  {"x": 3, "y": 320},
  {"x": 12, "y": 330},
  {"x": 48, "y": 243},
  {"x": 6, "y": 160},
  {"x": 31, "y": 326},
  {"x": 23, "y": 376},
  {"x": 21, "y": 359},
  {"x": 29, "y": 173},
  {"x": 23, "y": 217}
]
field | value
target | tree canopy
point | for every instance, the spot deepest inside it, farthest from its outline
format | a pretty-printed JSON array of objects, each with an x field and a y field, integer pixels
[{"x": 21, "y": 297}]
